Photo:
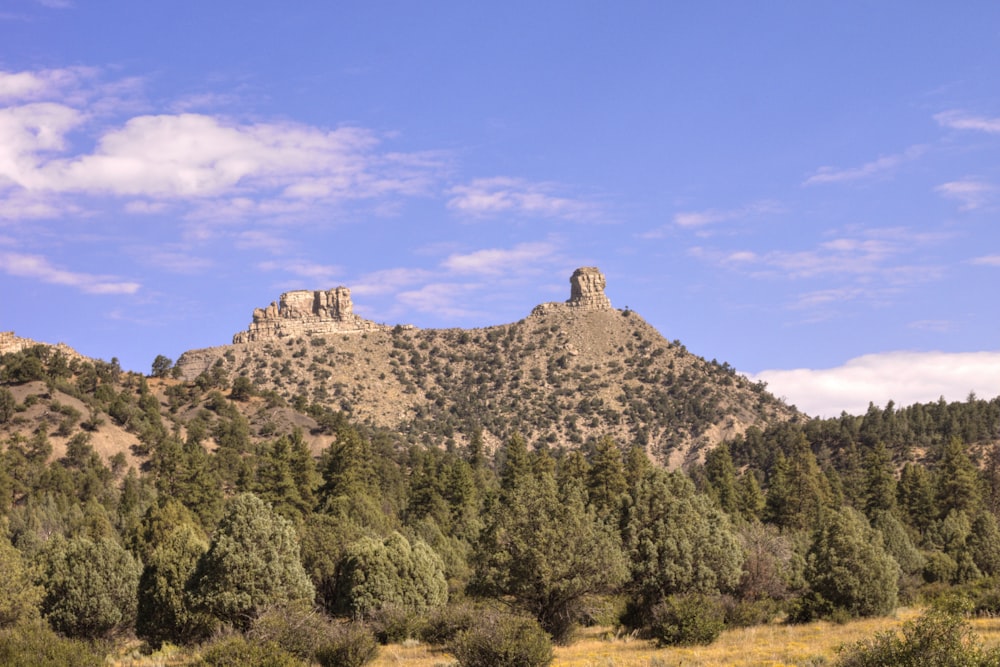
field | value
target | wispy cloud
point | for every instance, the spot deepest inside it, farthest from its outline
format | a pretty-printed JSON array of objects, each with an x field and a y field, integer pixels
[
  {"x": 444, "y": 299},
  {"x": 322, "y": 274},
  {"x": 497, "y": 261},
  {"x": 178, "y": 262},
  {"x": 987, "y": 260},
  {"x": 971, "y": 194},
  {"x": 714, "y": 215},
  {"x": 502, "y": 195},
  {"x": 960, "y": 120},
  {"x": 877, "y": 167},
  {"x": 903, "y": 377},
  {"x": 39, "y": 268}
]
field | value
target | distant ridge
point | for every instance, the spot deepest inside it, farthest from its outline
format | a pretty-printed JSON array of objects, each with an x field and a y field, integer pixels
[{"x": 569, "y": 372}]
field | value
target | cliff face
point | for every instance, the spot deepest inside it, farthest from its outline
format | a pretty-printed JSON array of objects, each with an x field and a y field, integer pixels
[
  {"x": 10, "y": 343},
  {"x": 306, "y": 313}
]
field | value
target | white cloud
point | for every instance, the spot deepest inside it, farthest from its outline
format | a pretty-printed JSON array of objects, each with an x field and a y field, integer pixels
[
  {"x": 25, "y": 86},
  {"x": 498, "y": 261},
  {"x": 903, "y": 377},
  {"x": 35, "y": 266},
  {"x": 987, "y": 260},
  {"x": 215, "y": 167},
  {"x": 713, "y": 216},
  {"x": 390, "y": 281},
  {"x": 492, "y": 196},
  {"x": 971, "y": 194},
  {"x": 871, "y": 169},
  {"x": 959, "y": 120},
  {"x": 444, "y": 299},
  {"x": 324, "y": 274},
  {"x": 178, "y": 262}
]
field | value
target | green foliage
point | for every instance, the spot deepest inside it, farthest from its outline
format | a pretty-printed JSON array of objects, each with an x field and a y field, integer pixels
[
  {"x": 35, "y": 644},
  {"x": 548, "y": 554},
  {"x": 162, "y": 366},
  {"x": 238, "y": 650},
  {"x": 686, "y": 620},
  {"x": 848, "y": 570},
  {"x": 391, "y": 572},
  {"x": 939, "y": 638},
  {"x": 90, "y": 587},
  {"x": 678, "y": 541},
  {"x": 252, "y": 564},
  {"x": 173, "y": 546},
  {"x": 444, "y": 623},
  {"x": 8, "y": 405},
  {"x": 347, "y": 645},
  {"x": 19, "y": 596},
  {"x": 503, "y": 640}
]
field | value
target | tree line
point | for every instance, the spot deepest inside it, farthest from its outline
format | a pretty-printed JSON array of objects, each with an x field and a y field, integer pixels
[{"x": 379, "y": 537}]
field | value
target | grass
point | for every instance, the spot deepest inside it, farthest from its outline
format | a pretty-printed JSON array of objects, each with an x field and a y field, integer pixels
[{"x": 774, "y": 645}]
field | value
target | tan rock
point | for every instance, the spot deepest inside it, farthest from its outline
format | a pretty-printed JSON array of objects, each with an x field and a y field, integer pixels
[{"x": 306, "y": 313}]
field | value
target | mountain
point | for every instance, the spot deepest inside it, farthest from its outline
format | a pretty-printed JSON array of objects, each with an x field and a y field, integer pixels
[{"x": 565, "y": 374}]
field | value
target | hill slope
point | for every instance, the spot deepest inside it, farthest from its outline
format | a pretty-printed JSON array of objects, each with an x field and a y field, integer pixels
[{"x": 567, "y": 373}]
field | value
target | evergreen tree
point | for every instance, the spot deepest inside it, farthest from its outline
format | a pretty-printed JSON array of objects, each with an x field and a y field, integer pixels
[
  {"x": 606, "y": 483},
  {"x": 390, "y": 573},
  {"x": 678, "y": 541},
  {"x": 252, "y": 563},
  {"x": 545, "y": 554},
  {"x": 848, "y": 570},
  {"x": 90, "y": 587},
  {"x": 721, "y": 475}
]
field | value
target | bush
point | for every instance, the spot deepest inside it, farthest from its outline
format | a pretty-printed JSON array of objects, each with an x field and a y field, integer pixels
[
  {"x": 297, "y": 629},
  {"x": 503, "y": 640},
  {"x": 238, "y": 650},
  {"x": 747, "y": 613},
  {"x": 347, "y": 645},
  {"x": 394, "y": 623},
  {"x": 445, "y": 623},
  {"x": 686, "y": 620},
  {"x": 939, "y": 638},
  {"x": 36, "y": 644}
]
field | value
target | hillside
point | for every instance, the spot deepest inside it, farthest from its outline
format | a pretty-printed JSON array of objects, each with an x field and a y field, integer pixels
[{"x": 566, "y": 373}]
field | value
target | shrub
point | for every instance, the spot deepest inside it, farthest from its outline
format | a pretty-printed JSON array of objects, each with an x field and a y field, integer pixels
[
  {"x": 445, "y": 623},
  {"x": 36, "y": 644},
  {"x": 686, "y": 620},
  {"x": 940, "y": 637},
  {"x": 238, "y": 650},
  {"x": 503, "y": 640},
  {"x": 394, "y": 623},
  {"x": 297, "y": 629},
  {"x": 347, "y": 645}
]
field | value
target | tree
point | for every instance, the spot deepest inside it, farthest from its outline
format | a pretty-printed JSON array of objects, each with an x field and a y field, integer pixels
[
  {"x": 172, "y": 544},
  {"x": 8, "y": 405},
  {"x": 252, "y": 563},
  {"x": 19, "y": 596},
  {"x": 678, "y": 541},
  {"x": 546, "y": 554},
  {"x": 162, "y": 366},
  {"x": 391, "y": 572},
  {"x": 848, "y": 569},
  {"x": 90, "y": 587}
]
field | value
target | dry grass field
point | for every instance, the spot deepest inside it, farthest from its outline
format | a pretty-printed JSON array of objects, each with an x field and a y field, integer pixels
[{"x": 773, "y": 645}]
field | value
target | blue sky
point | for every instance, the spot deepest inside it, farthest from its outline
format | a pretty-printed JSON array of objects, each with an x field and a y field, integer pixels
[{"x": 808, "y": 191}]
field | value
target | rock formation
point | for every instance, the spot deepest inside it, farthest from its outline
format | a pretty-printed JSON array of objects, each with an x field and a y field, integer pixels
[
  {"x": 305, "y": 313},
  {"x": 9, "y": 343},
  {"x": 586, "y": 292}
]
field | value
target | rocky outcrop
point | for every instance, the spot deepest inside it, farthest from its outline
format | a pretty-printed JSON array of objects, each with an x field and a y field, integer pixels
[
  {"x": 10, "y": 343},
  {"x": 586, "y": 292},
  {"x": 306, "y": 313}
]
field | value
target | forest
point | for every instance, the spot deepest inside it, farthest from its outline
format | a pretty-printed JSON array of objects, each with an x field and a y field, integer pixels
[{"x": 257, "y": 550}]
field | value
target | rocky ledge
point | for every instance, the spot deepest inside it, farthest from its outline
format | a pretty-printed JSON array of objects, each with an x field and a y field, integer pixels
[
  {"x": 586, "y": 292},
  {"x": 305, "y": 313}
]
